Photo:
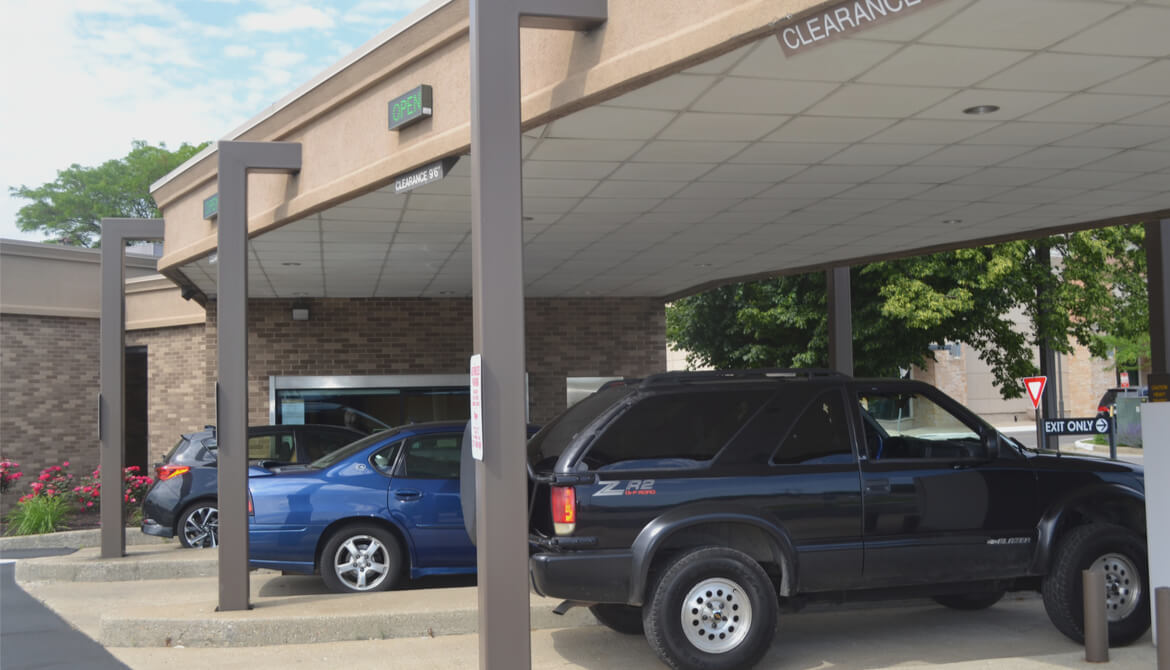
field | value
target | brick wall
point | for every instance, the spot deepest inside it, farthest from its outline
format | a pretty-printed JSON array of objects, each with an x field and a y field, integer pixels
[
  {"x": 180, "y": 389},
  {"x": 386, "y": 336},
  {"x": 48, "y": 392}
]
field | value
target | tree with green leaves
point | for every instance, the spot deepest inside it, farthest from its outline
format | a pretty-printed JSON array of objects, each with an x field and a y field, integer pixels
[
  {"x": 1095, "y": 295},
  {"x": 70, "y": 208}
]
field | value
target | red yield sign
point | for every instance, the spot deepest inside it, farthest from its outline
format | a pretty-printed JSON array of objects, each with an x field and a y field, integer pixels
[{"x": 1035, "y": 388}]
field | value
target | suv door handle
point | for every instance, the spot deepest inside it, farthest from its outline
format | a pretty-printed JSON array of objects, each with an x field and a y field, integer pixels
[
  {"x": 408, "y": 494},
  {"x": 877, "y": 486}
]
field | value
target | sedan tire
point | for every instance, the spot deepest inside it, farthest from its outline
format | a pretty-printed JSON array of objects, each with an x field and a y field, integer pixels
[{"x": 361, "y": 559}]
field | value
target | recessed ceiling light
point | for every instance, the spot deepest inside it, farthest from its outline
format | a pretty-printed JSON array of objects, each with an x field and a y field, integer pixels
[
  {"x": 952, "y": 222},
  {"x": 981, "y": 109},
  {"x": 291, "y": 264},
  {"x": 702, "y": 265}
]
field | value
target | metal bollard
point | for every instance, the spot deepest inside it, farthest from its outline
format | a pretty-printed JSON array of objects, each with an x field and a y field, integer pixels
[
  {"x": 1162, "y": 625},
  {"x": 1096, "y": 625}
]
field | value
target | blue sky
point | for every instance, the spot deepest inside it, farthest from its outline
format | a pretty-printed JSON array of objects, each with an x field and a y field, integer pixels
[{"x": 84, "y": 78}]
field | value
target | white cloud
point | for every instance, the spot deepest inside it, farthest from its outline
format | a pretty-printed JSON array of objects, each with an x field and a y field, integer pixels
[
  {"x": 286, "y": 20},
  {"x": 86, "y": 77},
  {"x": 282, "y": 58},
  {"x": 238, "y": 51}
]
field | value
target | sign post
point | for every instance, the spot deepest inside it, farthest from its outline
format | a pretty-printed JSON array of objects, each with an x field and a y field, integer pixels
[{"x": 1035, "y": 388}]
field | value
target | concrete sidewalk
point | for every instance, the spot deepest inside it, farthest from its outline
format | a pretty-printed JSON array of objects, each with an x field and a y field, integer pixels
[{"x": 155, "y": 608}]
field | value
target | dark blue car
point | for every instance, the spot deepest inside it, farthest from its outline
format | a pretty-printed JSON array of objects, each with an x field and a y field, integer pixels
[{"x": 368, "y": 514}]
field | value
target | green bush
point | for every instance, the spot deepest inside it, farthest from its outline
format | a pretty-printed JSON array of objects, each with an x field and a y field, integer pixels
[{"x": 34, "y": 515}]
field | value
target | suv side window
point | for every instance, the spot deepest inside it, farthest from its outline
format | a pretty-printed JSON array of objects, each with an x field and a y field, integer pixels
[
  {"x": 819, "y": 435},
  {"x": 902, "y": 425},
  {"x": 674, "y": 430}
]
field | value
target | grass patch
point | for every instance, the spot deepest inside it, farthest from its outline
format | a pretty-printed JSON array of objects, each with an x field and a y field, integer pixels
[{"x": 39, "y": 514}]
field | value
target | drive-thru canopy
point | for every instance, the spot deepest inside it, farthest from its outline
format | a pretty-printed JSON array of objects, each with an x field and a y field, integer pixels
[{"x": 688, "y": 143}]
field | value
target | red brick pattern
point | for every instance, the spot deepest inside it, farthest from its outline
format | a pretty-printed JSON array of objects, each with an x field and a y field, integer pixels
[
  {"x": 386, "y": 336},
  {"x": 181, "y": 393},
  {"x": 48, "y": 392},
  {"x": 49, "y": 376}
]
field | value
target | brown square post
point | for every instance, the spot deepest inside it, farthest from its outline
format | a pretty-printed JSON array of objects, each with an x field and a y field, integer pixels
[{"x": 498, "y": 312}]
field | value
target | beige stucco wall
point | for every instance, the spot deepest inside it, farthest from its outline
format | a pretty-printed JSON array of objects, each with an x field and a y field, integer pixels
[
  {"x": 342, "y": 122},
  {"x": 55, "y": 280}
]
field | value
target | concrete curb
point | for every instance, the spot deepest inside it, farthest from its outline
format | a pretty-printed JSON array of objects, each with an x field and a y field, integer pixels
[
  {"x": 361, "y": 620},
  {"x": 141, "y": 562},
  {"x": 74, "y": 539}
]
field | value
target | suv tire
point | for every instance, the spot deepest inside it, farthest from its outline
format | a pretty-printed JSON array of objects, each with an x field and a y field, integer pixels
[
  {"x": 969, "y": 601},
  {"x": 625, "y": 619},
  {"x": 713, "y": 608},
  {"x": 1121, "y": 553}
]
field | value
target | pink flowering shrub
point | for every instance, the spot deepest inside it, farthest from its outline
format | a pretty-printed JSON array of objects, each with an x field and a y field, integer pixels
[
  {"x": 88, "y": 495},
  {"x": 53, "y": 481},
  {"x": 9, "y": 474}
]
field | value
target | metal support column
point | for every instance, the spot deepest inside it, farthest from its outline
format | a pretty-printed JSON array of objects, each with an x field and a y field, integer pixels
[
  {"x": 112, "y": 397},
  {"x": 1156, "y": 424},
  {"x": 498, "y": 312},
  {"x": 1158, "y": 277},
  {"x": 840, "y": 320},
  {"x": 236, "y": 159}
]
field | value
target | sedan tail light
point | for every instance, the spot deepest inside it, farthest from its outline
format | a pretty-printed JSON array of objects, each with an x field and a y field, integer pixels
[
  {"x": 251, "y": 507},
  {"x": 168, "y": 471},
  {"x": 564, "y": 509}
]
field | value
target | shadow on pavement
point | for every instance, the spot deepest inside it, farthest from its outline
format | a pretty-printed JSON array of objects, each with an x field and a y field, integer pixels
[
  {"x": 33, "y": 636},
  {"x": 865, "y": 636}
]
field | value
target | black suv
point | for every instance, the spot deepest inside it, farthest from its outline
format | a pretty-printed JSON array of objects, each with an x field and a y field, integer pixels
[{"x": 693, "y": 506}]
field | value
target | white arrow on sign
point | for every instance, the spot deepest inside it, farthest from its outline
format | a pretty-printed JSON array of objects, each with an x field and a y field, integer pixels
[{"x": 1102, "y": 426}]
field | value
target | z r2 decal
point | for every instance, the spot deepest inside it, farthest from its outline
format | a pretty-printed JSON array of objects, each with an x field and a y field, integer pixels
[{"x": 635, "y": 487}]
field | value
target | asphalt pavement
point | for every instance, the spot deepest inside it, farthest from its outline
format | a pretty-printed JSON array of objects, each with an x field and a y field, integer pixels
[{"x": 34, "y": 637}]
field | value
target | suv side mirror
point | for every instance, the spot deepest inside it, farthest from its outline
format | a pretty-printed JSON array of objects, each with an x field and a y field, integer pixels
[{"x": 991, "y": 446}]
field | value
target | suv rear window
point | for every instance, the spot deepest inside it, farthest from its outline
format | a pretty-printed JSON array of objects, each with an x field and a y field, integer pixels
[
  {"x": 674, "y": 430},
  {"x": 546, "y": 446}
]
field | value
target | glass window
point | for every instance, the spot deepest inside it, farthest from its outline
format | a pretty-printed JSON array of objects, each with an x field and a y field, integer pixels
[
  {"x": 261, "y": 447},
  {"x": 819, "y": 435},
  {"x": 383, "y": 459},
  {"x": 272, "y": 447},
  {"x": 317, "y": 443},
  {"x": 431, "y": 457},
  {"x": 674, "y": 430},
  {"x": 910, "y": 425}
]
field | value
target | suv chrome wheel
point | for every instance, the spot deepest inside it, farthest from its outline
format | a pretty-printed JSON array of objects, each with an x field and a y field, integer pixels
[
  {"x": 1123, "y": 585},
  {"x": 716, "y": 615},
  {"x": 711, "y": 608}
]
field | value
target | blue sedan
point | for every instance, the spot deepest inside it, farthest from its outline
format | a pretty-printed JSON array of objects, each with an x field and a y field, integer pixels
[{"x": 366, "y": 514}]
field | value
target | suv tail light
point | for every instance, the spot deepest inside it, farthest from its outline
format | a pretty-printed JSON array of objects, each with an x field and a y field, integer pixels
[
  {"x": 166, "y": 472},
  {"x": 564, "y": 509}
]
